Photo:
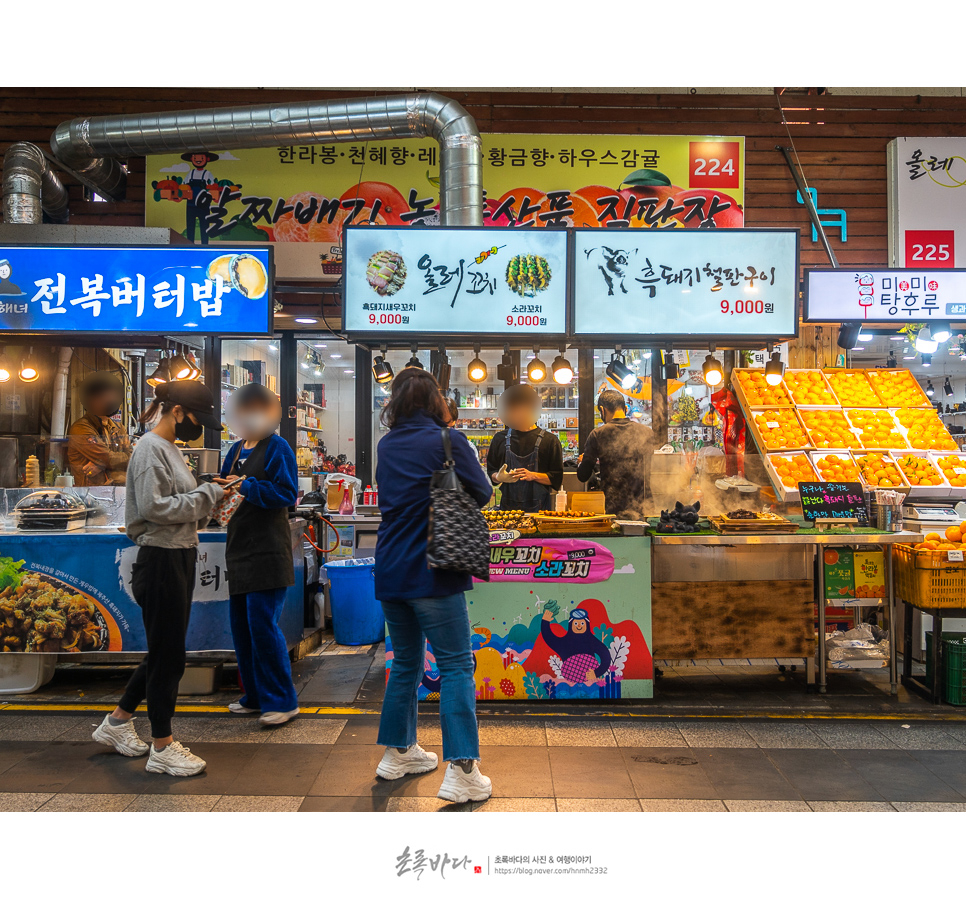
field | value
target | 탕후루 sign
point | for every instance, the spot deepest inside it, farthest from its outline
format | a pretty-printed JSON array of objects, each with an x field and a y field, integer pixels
[
  {"x": 136, "y": 289},
  {"x": 927, "y": 202},
  {"x": 897, "y": 295},
  {"x": 713, "y": 284},
  {"x": 300, "y": 197},
  {"x": 405, "y": 281},
  {"x": 833, "y": 500}
]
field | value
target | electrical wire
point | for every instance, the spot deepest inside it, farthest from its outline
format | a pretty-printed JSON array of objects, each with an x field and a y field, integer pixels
[{"x": 791, "y": 140}]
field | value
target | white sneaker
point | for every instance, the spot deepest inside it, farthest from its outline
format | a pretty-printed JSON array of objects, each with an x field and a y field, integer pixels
[
  {"x": 123, "y": 738},
  {"x": 459, "y": 786},
  {"x": 413, "y": 760},
  {"x": 277, "y": 718},
  {"x": 240, "y": 710},
  {"x": 175, "y": 759}
]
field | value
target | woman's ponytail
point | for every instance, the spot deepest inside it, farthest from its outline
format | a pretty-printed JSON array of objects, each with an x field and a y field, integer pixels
[{"x": 157, "y": 404}]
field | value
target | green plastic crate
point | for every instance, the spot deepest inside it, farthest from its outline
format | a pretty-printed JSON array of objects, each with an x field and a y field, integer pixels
[
  {"x": 946, "y": 635},
  {"x": 954, "y": 660}
]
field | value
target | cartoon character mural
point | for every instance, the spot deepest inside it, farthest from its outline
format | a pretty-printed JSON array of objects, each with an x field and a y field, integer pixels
[{"x": 534, "y": 660}]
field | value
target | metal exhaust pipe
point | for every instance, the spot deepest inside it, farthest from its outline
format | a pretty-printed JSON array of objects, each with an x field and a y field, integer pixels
[{"x": 30, "y": 185}]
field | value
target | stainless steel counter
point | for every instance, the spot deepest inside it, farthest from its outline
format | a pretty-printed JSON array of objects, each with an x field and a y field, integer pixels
[{"x": 831, "y": 537}]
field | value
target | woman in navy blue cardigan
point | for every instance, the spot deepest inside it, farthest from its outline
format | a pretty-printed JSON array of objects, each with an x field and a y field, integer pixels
[{"x": 421, "y": 603}]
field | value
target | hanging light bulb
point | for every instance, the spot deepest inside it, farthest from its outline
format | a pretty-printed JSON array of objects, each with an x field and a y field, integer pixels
[
  {"x": 414, "y": 360},
  {"x": 476, "y": 369},
  {"x": 4, "y": 367},
  {"x": 925, "y": 343},
  {"x": 671, "y": 370},
  {"x": 948, "y": 388},
  {"x": 28, "y": 367},
  {"x": 774, "y": 369},
  {"x": 193, "y": 364},
  {"x": 940, "y": 332},
  {"x": 848, "y": 335},
  {"x": 179, "y": 368},
  {"x": 712, "y": 370},
  {"x": 561, "y": 370},
  {"x": 381, "y": 369},
  {"x": 926, "y": 360},
  {"x": 618, "y": 373},
  {"x": 536, "y": 369},
  {"x": 930, "y": 389},
  {"x": 162, "y": 373}
]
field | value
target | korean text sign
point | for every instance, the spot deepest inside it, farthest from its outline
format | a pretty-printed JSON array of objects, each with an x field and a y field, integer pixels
[
  {"x": 727, "y": 284},
  {"x": 833, "y": 500},
  {"x": 403, "y": 281},
  {"x": 139, "y": 289},
  {"x": 899, "y": 295},
  {"x": 558, "y": 560}
]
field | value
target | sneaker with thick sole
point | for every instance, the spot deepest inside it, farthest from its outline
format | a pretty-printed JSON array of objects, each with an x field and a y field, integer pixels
[
  {"x": 174, "y": 759},
  {"x": 240, "y": 710},
  {"x": 395, "y": 765},
  {"x": 123, "y": 738},
  {"x": 460, "y": 786},
  {"x": 278, "y": 718}
]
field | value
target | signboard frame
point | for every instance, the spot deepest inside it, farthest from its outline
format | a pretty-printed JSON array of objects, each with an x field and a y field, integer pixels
[
  {"x": 115, "y": 333},
  {"x": 899, "y": 320},
  {"x": 685, "y": 338},
  {"x": 400, "y": 334}
]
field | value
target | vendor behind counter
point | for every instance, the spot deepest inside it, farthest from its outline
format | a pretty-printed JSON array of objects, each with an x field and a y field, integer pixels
[
  {"x": 526, "y": 460},
  {"x": 98, "y": 449}
]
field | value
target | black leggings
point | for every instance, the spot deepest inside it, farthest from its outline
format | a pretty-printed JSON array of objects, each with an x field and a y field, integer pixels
[{"x": 162, "y": 583}]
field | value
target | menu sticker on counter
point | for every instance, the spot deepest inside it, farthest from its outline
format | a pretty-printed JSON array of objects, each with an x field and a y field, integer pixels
[{"x": 833, "y": 500}]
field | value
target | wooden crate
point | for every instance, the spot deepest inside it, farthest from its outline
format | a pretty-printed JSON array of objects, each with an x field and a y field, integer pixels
[
  {"x": 738, "y": 619},
  {"x": 586, "y": 501}
]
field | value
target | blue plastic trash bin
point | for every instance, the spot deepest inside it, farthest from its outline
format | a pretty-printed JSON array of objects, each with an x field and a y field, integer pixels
[{"x": 356, "y": 614}]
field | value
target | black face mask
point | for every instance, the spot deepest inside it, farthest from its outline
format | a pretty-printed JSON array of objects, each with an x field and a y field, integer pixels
[{"x": 187, "y": 430}]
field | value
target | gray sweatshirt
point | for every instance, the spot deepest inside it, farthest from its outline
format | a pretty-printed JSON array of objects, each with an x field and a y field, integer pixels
[{"x": 163, "y": 507}]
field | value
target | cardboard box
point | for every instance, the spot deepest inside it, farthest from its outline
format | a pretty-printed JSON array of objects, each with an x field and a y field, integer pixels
[
  {"x": 839, "y": 573},
  {"x": 869, "y": 574}
]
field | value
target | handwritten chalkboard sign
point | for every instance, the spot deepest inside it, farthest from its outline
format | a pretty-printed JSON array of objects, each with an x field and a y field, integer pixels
[{"x": 833, "y": 500}]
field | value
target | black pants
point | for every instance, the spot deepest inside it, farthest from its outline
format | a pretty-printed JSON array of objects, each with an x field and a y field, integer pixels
[{"x": 162, "y": 583}]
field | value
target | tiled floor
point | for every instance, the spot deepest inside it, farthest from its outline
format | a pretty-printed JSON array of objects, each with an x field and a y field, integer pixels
[{"x": 601, "y": 764}]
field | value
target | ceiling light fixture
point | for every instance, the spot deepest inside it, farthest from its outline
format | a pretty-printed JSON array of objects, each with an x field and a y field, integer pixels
[
  {"x": 774, "y": 369},
  {"x": 306, "y": 320},
  {"x": 926, "y": 360},
  {"x": 948, "y": 388},
  {"x": 930, "y": 389},
  {"x": 536, "y": 369},
  {"x": 28, "y": 367},
  {"x": 940, "y": 332},
  {"x": 671, "y": 370},
  {"x": 711, "y": 370},
  {"x": 618, "y": 373},
  {"x": 848, "y": 335},
  {"x": 561, "y": 370},
  {"x": 925, "y": 343},
  {"x": 162, "y": 373},
  {"x": 476, "y": 369},
  {"x": 892, "y": 360},
  {"x": 4, "y": 367},
  {"x": 414, "y": 360},
  {"x": 381, "y": 369}
]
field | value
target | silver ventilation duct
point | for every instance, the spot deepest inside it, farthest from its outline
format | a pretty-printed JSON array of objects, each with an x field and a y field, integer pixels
[
  {"x": 29, "y": 184},
  {"x": 85, "y": 146}
]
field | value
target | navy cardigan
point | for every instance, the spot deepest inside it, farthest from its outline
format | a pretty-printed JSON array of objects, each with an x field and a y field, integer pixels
[{"x": 407, "y": 457}]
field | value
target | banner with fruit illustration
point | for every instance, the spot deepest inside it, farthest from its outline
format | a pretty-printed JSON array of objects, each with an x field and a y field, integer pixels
[{"x": 305, "y": 194}]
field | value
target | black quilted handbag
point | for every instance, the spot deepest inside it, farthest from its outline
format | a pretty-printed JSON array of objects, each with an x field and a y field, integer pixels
[{"x": 459, "y": 540}]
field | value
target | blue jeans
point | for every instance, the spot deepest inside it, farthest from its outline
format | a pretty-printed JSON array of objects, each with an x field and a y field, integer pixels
[
  {"x": 263, "y": 662},
  {"x": 445, "y": 622}
]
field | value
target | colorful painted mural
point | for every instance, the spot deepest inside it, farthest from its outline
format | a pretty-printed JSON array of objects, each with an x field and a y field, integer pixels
[{"x": 560, "y": 641}]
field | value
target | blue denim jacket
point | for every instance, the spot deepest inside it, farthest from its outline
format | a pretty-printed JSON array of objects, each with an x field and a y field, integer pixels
[{"x": 407, "y": 457}]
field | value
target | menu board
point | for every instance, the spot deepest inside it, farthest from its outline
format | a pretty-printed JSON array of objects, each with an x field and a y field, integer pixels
[
  {"x": 715, "y": 284},
  {"x": 898, "y": 295},
  {"x": 409, "y": 281},
  {"x": 833, "y": 500},
  {"x": 139, "y": 289}
]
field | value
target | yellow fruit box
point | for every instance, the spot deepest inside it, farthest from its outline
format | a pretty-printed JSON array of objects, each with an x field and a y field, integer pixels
[
  {"x": 828, "y": 401},
  {"x": 869, "y": 574},
  {"x": 917, "y": 489}
]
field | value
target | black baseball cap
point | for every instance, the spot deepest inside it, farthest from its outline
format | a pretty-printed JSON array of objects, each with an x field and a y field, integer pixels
[{"x": 190, "y": 395}]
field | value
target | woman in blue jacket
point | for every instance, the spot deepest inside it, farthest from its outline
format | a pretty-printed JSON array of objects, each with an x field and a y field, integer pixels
[
  {"x": 421, "y": 603},
  {"x": 258, "y": 553}
]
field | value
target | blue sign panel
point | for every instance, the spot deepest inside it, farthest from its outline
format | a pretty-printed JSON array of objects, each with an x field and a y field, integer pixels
[{"x": 136, "y": 289}]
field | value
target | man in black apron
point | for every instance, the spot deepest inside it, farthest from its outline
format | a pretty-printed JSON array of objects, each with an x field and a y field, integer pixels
[
  {"x": 526, "y": 460},
  {"x": 198, "y": 179}
]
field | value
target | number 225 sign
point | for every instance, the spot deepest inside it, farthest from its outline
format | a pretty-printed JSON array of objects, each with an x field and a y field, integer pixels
[
  {"x": 930, "y": 249},
  {"x": 714, "y": 163}
]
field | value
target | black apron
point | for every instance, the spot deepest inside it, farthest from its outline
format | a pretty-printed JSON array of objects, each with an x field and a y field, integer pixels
[
  {"x": 258, "y": 549},
  {"x": 195, "y": 210},
  {"x": 524, "y": 496}
]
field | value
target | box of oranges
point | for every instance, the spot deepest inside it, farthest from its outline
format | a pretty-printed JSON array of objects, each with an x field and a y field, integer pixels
[
  {"x": 809, "y": 388},
  {"x": 897, "y": 388},
  {"x": 920, "y": 471},
  {"x": 924, "y": 430},
  {"x": 829, "y": 428},
  {"x": 878, "y": 469},
  {"x": 852, "y": 388},
  {"x": 953, "y": 468},
  {"x": 787, "y": 471},
  {"x": 835, "y": 466},
  {"x": 778, "y": 429},
  {"x": 877, "y": 428},
  {"x": 756, "y": 392}
]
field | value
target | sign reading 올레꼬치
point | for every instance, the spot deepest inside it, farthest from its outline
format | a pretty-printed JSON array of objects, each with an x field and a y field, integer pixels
[
  {"x": 407, "y": 281},
  {"x": 299, "y": 197},
  {"x": 897, "y": 295},
  {"x": 138, "y": 289},
  {"x": 833, "y": 500},
  {"x": 927, "y": 202},
  {"x": 713, "y": 284}
]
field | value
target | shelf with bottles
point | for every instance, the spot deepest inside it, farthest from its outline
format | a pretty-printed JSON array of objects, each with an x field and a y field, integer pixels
[{"x": 305, "y": 404}]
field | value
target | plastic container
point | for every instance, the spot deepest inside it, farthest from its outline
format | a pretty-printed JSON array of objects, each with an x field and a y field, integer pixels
[
  {"x": 25, "y": 672},
  {"x": 946, "y": 636},
  {"x": 954, "y": 662},
  {"x": 357, "y": 617},
  {"x": 928, "y": 579}
]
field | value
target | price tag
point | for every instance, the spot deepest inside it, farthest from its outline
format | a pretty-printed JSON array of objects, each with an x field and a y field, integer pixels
[
  {"x": 955, "y": 555},
  {"x": 959, "y": 471},
  {"x": 773, "y": 424}
]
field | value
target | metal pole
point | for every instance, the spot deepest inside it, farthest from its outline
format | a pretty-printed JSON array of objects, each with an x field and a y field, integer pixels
[
  {"x": 364, "y": 417},
  {"x": 586, "y": 395},
  {"x": 288, "y": 385},
  {"x": 212, "y": 372},
  {"x": 809, "y": 206}
]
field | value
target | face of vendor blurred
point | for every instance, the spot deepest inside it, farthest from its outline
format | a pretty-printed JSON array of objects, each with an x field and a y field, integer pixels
[
  {"x": 520, "y": 417},
  {"x": 104, "y": 404}
]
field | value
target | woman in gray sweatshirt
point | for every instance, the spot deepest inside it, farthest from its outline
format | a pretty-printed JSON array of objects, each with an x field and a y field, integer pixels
[{"x": 163, "y": 511}]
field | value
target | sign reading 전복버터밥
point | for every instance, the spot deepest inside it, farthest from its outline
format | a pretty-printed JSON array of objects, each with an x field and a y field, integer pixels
[
  {"x": 452, "y": 281},
  {"x": 833, "y": 500},
  {"x": 725, "y": 284},
  {"x": 139, "y": 289},
  {"x": 897, "y": 295}
]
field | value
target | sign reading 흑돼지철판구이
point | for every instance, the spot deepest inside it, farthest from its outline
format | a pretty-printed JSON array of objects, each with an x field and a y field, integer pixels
[
  {"x": 399, "y": 282},
  {"x": 136, "y": 289},
  {"x": 718, "y": 284}
]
